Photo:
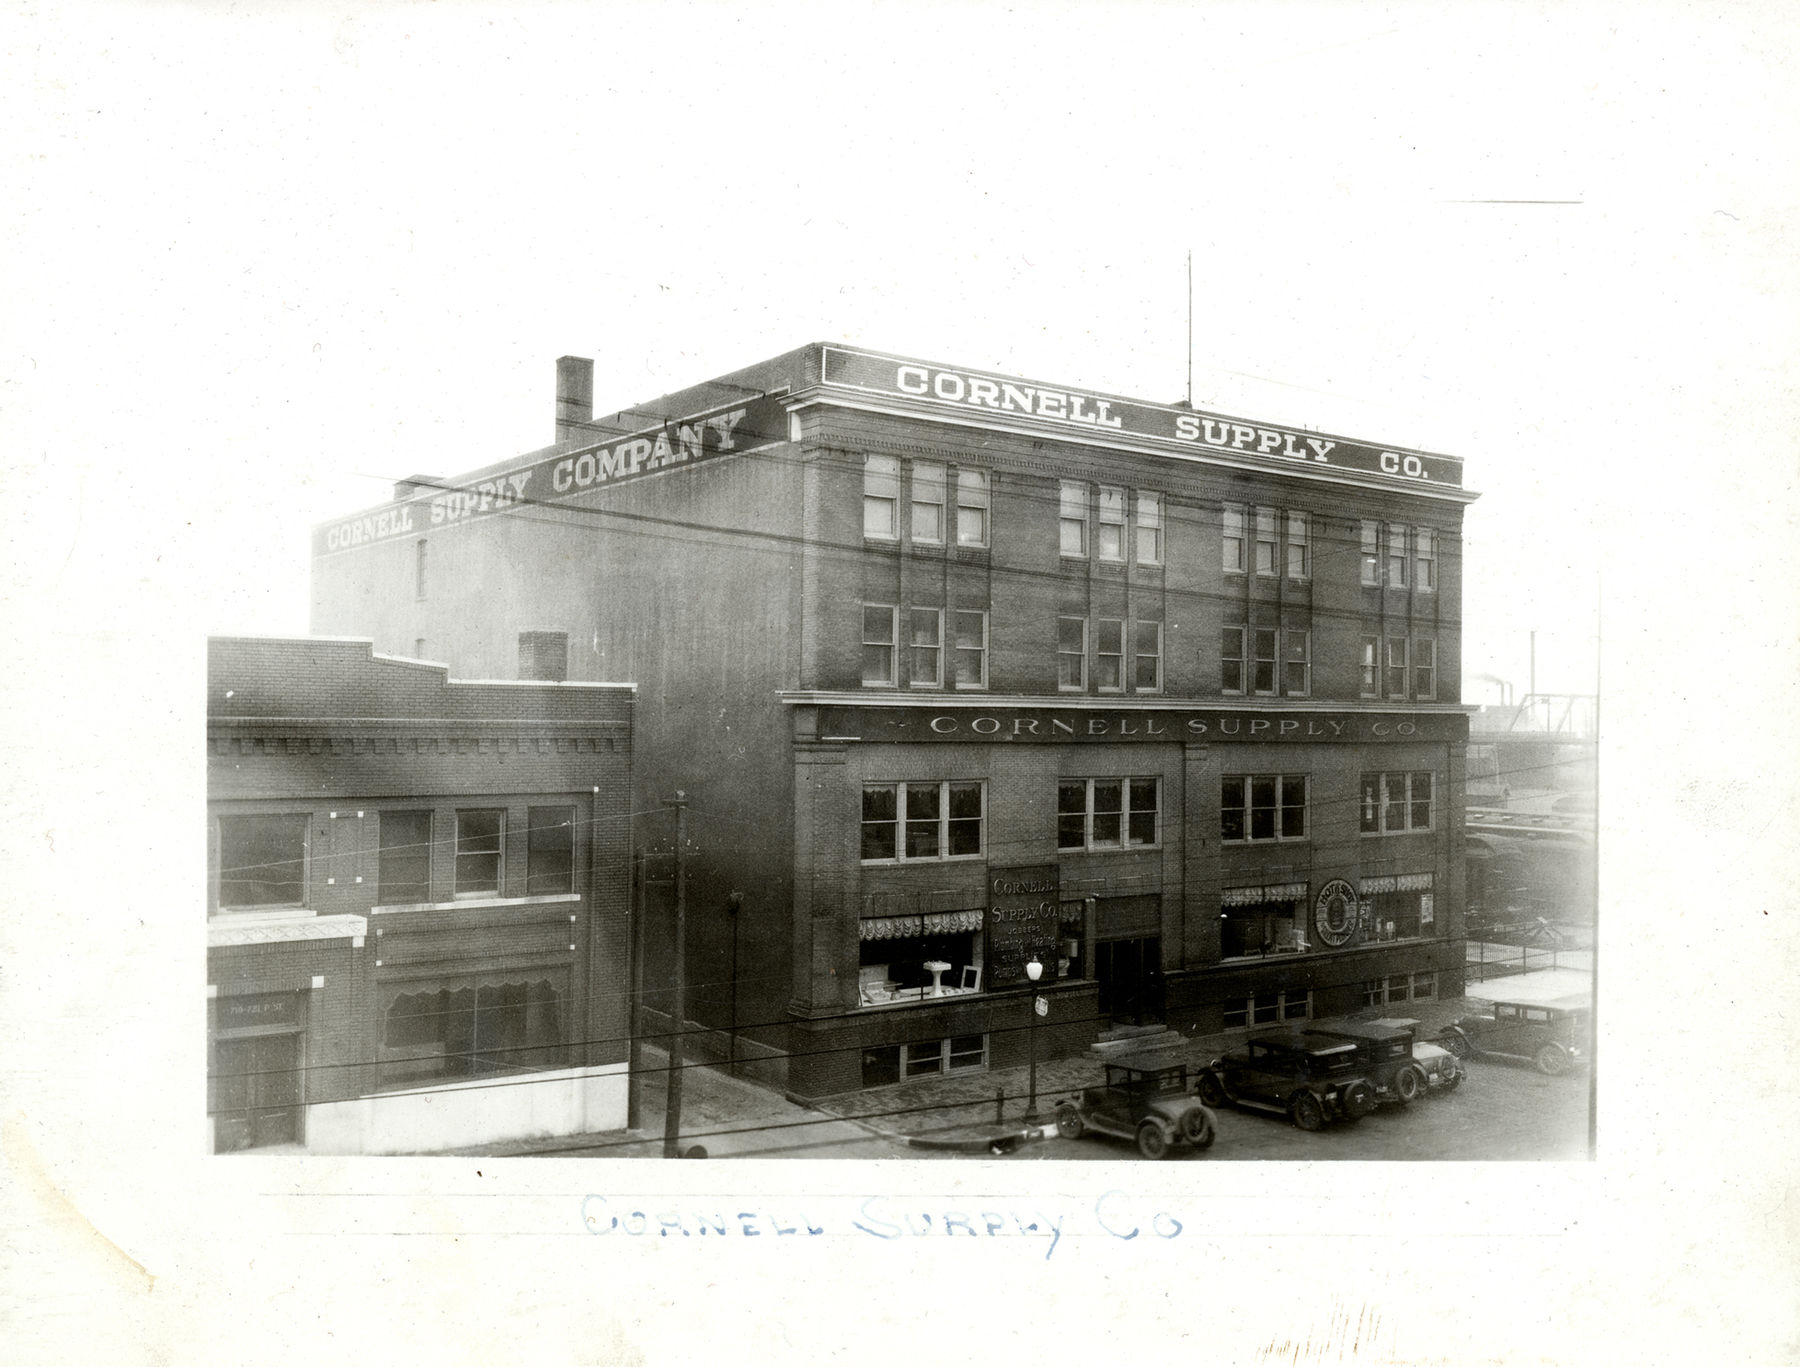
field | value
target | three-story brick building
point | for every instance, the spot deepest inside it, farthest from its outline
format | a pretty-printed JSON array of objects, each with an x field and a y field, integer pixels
[{"x": 960, "y": 670}]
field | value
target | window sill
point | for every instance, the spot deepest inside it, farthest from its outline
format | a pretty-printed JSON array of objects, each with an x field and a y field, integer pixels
[
  {"x": 913, "y": 996},
  {"x": 1410, "y": 830},
  {"x": 933, "y": 859},
  {"x": 476, "y": 903}
]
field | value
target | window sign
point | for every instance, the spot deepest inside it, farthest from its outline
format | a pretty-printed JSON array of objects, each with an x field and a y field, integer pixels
[{"x": 1024, "y": 916}]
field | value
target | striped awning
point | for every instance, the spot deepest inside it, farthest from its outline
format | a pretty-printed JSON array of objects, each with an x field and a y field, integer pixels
[
  {"x": 1403, "y": 882},
  {"x": 935, "y": 923},
  {"x": 1269, "y": 892}
]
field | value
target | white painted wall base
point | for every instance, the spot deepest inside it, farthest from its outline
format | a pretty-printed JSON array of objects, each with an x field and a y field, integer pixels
[{"x": 492, "y": 1110}]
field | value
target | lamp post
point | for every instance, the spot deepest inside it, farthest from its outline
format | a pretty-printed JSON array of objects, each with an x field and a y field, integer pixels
[{"x": 1034, "y": 970}]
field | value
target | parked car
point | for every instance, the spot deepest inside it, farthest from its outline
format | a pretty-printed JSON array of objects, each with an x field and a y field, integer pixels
[
  {"x": 1307, "y": 1076},
  {"x": 1392, "y": 1057},
  {"x": 1555, "y": 1035},
  {"x": 1146, "y": 1098}
]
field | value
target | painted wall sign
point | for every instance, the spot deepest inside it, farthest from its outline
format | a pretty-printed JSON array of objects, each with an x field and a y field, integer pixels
[
  {"x": 1024, "y": 911},
  {"x": 1336, "y": 913},
  {"x": 731, "y": 430},
  {"x": 262, "y": 1008},
  {"x": 1000, "y": 395},
  {"x": 1027, "y": 724}
]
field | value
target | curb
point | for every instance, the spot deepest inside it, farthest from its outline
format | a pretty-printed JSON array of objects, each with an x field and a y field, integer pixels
[{"x": 1003, "y": 1141}]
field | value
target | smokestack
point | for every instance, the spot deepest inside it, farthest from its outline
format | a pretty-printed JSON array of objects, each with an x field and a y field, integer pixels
[{"x": 574, "y": 397}]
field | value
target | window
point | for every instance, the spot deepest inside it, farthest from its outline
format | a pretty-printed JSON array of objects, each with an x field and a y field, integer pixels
[
  {"x": 1262, "y": 807},
  {"x": 911, "y": 958},
  {"x": 1371, "y": 554},
  {"x": 1231, "y": 660},
  {"x": 419, "y": 570},
  {"x": 1396, "y": 556},
  {"x": 1267, "y": 546},
  {"x": 928, "y": 488},
  {"x": 925, "y": 662},
  {"x": 1299, "y": 551},
  {"x": 455, "y": 1031},
  {"x": 1263, "y": 664},
  {"x": 1371, "y": 667},
  {"x": 1234, "y": 539},
  {"x": 1105, "y": 813},
  {"x": 1399, "y": 915},
  {"x": 881, "y": 498},
  {"x": 1109, "y": 655},
  {"x": 262, "y": 860},
  {"x": 1396, "y": 667},
  {"x": 1396, "y": 802},
  {"x": 1425, "y": 560},
  {"x": 544, "y": 656},
  {"x": 418, "y": 647},
  {"x": 1424, "y": 655},
  {"x": 1262, "y": 928},
  {"x": 1074, "y": 519},
  {"x": 890, "y": 1063},
  {"x": 971, "y": 649},
  {"x": 971, "y": 508},
  {"x": 1296, "y": 664},
  {"x": 549, "y": 851},
  {"x": 1149, "y": 529},
  {"x": 1112, "y": 524},
  {"x": 880, "y": 627},
  {"x": 1265, "y": 1008},
  {"x": 404, "y": 866},
  {"x": 1071, "y": 652},
  {"x": 479, "y": 839},
  {"x": 1400, "y": 987},
  {"x": 1147, "y": 669},
  {"x": 922, "y": 820}
]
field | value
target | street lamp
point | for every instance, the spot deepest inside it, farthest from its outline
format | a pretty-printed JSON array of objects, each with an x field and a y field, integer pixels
[{"x": 1034, "y": 970}]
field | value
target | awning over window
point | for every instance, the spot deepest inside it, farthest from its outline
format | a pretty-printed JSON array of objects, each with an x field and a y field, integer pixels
[
  {"x": 937, "y": 923},
  {"x": 1270, "y": 892},
  {"x": 1404, "y": 882}
]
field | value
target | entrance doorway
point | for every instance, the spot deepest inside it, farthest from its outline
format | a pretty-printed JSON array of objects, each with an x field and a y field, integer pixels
[
  {"x": 1129, "y": 973},
  {"x": 257, "y": 1088}
]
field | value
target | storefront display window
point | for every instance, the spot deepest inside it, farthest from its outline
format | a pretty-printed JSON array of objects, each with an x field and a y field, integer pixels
[
  {"x": 916, "y": 958},
  {"x": 1261, "y": 928},
  {"x": 471, "y": 1030}
]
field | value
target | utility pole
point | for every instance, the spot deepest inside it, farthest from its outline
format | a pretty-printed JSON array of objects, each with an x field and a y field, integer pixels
[
  {"x": 734, "y": 904},
  {"x": 1190, "y": 370},
  {"x": 672, "y": 1116}
]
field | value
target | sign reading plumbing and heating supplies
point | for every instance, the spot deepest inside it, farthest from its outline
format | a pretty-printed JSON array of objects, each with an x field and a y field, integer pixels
[
  {"x": 995, "y": 396},
  {"x": 554, "y": 479}
]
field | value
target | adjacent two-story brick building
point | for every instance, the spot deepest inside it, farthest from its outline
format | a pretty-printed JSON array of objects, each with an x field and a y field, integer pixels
[
  {"x": 960, "y": 670},
  {"x": 418, "y": 901}
]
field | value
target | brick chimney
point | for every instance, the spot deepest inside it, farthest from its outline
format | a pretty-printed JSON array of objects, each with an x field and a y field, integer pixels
[{"x": 574, "y": 397}]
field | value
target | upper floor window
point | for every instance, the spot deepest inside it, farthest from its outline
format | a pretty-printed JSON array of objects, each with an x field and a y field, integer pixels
[
  {"x": 549, "y": 851},
  {"x": 1149, "y": 529},
  {"x": 1105, "y": 813},
  {"x": 1109, "y": 655},
  {"x": 1272, "y": 666},
  {"x": 1111, "y": 543},
  {"x": 1296, "y": 663},
  {"x": 1396, "y": 556},
  {"x": 926, "y": 648},
  {"x": 1424, "y": 559},
  {"x": 881, "y": 497},
  {"x": 972, "y": 502},
  {"x": 903, "y": 821},
  {"x": 1268, "y": 544},
  {"x": 1370, "y": 675},
  {"x": 403, "y": 872},
  {"x": 928, "y": 489},
  {"x": 262, "y": 860},
  {"x": 1234, "y": 539},
  {"x": 1073, "y": 518},
  {"x": 1396, "y": 802},
  {"x": 1424, "y": 660},
  {"x": 1147, "y": 673},
  {"x": 1411, "y": 661},
  {"x": 1231, "y": 659},
  {"x": 880, "y": 630},
  {"x": 1371, "y": 554},
  {"x": 1299, "y": 551},
  {"x": 1071, "y": 652},
  {"x": 1396, "y": 666},
  {"x": 480, "y": 838},
  {"x": 1263, "y": 662},
  {"x": 1262, "y": 807},
  {"x": 971, "y": 649}
]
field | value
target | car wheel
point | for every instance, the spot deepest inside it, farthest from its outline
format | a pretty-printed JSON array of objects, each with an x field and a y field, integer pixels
[
  {"x": 1408, "y": 1083},
  {"x": 1210, "y": 1091},
  {"x": 1359, "y": 1099},
  {"x": 1196, "y": 1128},
  {"x": 1455, "y": 1043},
  {"x": 1452, "y": 1080},
  {"x": 1306, "y": 1112},
  {"x": 1552, "y": 1061},
  {"x": 1068, "y": 1122},
  {"x": 1152, "y": 1142}
]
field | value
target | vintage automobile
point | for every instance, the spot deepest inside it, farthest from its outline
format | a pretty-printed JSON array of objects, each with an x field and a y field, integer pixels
[
  {"x": 1554, "y": 1035},
  {"x": 1145, "y": 1098},
  {"x": 1307, "y": 1076},
  {"x": 1401, "y": 1068}
]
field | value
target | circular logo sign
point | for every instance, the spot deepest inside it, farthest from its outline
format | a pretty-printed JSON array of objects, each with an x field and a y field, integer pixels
[
  {"x": 1334, "y": 914},
  {"x": 1043, "y": 1006}
]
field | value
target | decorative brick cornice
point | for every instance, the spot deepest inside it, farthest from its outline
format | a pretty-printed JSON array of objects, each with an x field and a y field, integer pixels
[{"x": 224, "y": 931}]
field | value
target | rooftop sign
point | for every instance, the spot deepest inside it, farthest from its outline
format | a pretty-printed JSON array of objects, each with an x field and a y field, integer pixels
[{"x": 1077, "y": 410}]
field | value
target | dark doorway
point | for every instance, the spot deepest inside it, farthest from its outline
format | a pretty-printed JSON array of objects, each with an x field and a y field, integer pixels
[
  {"x": 257, "y": 1083},
  {"x": 1130, "y": 977}
]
